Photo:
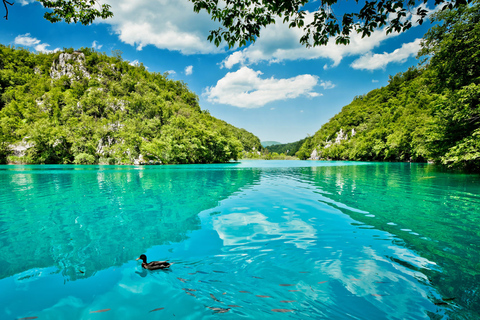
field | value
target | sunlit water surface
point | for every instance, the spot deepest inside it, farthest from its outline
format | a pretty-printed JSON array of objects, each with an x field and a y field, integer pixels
[{"x": 255, "y": 239}]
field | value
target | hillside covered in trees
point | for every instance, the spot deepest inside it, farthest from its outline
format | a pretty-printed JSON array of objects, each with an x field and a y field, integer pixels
[
  {"x": 84, "y": 107},
  {"x": 286, "y": 148},
  {"x": 429, "y": 113}
]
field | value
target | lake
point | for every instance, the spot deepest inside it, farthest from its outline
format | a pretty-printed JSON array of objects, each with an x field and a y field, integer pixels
[{"x": 253, "y": 239}]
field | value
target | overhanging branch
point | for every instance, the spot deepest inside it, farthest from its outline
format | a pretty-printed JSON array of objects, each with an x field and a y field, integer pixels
[{"x": 5, "y": 2}]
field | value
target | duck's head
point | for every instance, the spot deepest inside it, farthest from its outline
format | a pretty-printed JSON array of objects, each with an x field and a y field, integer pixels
[{"x": 143, "y": 258}]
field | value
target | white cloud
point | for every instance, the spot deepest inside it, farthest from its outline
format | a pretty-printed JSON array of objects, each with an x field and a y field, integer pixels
[
  {"x": 27, "y": 41},
  {"x": 327, "y": 85},
  {"x": 96, "y": 46},
  {"x": 25, "y": 2},
  {"x": 374, "y": 81},
  {"x": 171, "y": 72},
  {"x": 188, "y": 70},
  {"x": 233, "y": 59},
  {"x": 166, "y": 24},
  {"x": 134, "y": 63},
  {"x": 246, "y": 89},
  {"x": 376, "y": 61}
]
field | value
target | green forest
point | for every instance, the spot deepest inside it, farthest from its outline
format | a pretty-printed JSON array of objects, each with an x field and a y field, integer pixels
[
  {"x": 428, "y": 113},
  {"x": 85, "y": 107},
  {"x": 286, "y": 148}
]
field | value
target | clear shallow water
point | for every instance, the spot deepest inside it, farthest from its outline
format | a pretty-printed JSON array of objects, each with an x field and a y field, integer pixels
[{"x": 256, "y": 239}]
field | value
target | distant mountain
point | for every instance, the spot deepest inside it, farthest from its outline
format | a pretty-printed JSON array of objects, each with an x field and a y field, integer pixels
[
  {"x": 287, "y": 148},
  {"x": 269, "y": 143}
]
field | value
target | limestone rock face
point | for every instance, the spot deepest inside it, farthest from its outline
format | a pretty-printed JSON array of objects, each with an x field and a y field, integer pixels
[
  {"x": 70, "y": 65},
  {"x": 341, "y": 136},
  {"x": 104, "y": 142},
  {"x": 139, "y": 161},
  {"x": 19, "y": 148}
]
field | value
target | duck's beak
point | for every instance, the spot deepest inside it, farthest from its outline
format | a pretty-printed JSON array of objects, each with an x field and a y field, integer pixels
[{"x": 137, "y": 259}]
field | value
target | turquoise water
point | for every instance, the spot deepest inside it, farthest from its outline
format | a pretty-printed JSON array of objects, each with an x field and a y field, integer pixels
[{"x": 255, "y": 239}]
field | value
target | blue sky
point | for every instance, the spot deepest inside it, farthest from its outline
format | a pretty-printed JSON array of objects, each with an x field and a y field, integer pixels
[{"x": 274, "y": 88}]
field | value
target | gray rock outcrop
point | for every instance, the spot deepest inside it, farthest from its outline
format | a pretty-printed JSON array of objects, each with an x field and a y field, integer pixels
[
  {"x": 70, "y": 65},
  {"x": 18, "y": 149}
]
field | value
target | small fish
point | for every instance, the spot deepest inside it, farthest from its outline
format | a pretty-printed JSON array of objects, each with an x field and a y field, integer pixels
[
  {"x": 213, "y": 297},
  {"x": 282, "y": 310},
  {"x": 81, "y": 271},
  {"x": 183, "y": 280},
  {"x": 256, "y": 277},
  {"x": 441, "y": 303},
  {"x": 378, "y": 295},
  {"x": 293, "y": 290},
  {"x": 381, "y": 282},
  {"x": 219, "y": 310},
  {"x": 234, "y": 306},
  {"x": 191, "y": 294},
  {"x": 188, "y": 289},
  {"x": 322, "y": 282},
  {"x": 219, "y": 271},
  {"x": 244, "y": 291},
  {"x": 214, "y": 280},
  {"x": 287, "y": 301},
  {"x": 157, "y": 309},
  {"x": 28, "y": 318},
  {"x": 202, "y": 272},
  {"x": 287, "y": 285},
  {"x": 98, "y": 311},
  {"x": 262, "y": 296},
  {"x": 192, "y": 273},
  {"x": 203, "y": 281},
  {"x": 312, "y": 289}
]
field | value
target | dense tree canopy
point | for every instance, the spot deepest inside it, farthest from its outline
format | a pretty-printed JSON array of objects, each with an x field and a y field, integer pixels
[
  {"x": 286, "y": 148},
  {"x": 242, "y": 20},
  {"x": 83, "y": 11},
  {"x": 430, "y": 113},
  {"x": 84, "y": 107}
]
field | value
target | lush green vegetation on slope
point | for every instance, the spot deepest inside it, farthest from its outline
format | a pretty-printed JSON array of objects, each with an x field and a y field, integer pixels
[
  {"x": 85, "y": 107},
  {"x": 427, "y": 114},
  {"x": 287, "y": 148}
]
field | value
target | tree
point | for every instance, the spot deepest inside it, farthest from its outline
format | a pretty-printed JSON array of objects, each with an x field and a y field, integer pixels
[
  {"x": 83, "y": 11},
  {"x": 242, "y": 20},
  {"x": 454, "y": 46}
]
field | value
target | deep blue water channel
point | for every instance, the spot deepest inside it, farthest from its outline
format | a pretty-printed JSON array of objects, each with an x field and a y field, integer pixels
[{"x": 249, "y": 240}]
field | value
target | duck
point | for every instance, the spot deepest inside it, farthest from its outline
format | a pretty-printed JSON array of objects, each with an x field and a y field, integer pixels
[{"x": 153, "y": 265}]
